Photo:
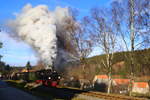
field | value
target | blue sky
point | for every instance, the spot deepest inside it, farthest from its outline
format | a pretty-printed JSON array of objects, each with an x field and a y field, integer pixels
[{"x": 17, "y": 52}]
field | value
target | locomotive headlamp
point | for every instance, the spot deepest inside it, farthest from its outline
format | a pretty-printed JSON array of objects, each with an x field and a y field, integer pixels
[
  {"x": 49, "y": 78},
  {"x": 58, "y": 77}
]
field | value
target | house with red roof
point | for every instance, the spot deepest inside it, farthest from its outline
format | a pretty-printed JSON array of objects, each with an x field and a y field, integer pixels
[
  {"x": 121, "y": 85},
  {"x": 100, "y": 83},
  {"x": 140, "y": 87}
]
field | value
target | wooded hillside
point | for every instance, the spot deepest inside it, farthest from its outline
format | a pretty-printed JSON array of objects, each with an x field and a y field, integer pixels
[{"x": 141, "y": 61}]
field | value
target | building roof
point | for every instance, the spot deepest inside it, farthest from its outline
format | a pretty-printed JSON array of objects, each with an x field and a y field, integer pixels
[
  {"x": 102, "y": 76},
  {"x": 121, "y": 81},
  {"x": 140, "y": 84}
]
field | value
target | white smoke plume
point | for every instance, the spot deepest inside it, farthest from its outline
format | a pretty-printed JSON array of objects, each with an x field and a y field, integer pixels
[{"x": 38, "y": 26}]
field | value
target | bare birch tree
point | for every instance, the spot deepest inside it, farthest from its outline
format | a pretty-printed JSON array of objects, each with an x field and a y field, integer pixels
[
  {"x": 133, "y": 26},
  {"x": 78, "y": 38},
  {"x": 105, "y": 38}
]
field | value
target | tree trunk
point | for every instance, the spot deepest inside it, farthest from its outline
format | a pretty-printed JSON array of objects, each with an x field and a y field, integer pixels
[
  {"x": 132, "y": 38},
  {"x": 83, "y": 68},
  {"x": 109, "y": 83}
]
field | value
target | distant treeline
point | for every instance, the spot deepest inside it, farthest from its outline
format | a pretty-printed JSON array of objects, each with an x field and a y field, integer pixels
[
  {"x": 4, "y": 68},
  {"x": 141, "y": 62}
]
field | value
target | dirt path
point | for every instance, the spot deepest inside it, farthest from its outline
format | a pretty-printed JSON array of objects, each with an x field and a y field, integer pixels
[{"x": 10, "y": 93}]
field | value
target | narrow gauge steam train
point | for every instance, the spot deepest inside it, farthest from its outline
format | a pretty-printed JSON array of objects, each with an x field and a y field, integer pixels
[{"x": 48, "y": 77}]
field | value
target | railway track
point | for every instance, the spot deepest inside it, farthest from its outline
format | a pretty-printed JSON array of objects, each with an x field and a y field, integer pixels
[
  {"x": 106, "y": 96},
  {"x": 110, "y": 96}
]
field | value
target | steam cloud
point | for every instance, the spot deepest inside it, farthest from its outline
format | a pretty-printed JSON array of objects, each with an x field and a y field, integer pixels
[{"x": 39, "y": 27}]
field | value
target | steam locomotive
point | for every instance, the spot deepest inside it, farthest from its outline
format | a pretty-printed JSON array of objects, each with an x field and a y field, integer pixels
[{"x": 48, "y": 77}]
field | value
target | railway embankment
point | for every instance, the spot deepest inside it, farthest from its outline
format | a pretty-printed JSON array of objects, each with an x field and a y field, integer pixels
[{"x": 51, "y": 93}]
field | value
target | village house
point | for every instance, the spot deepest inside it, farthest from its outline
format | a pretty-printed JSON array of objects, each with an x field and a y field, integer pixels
[
  {"x": 121, "y": 85},
  {"x": 140, "y": 87},
  {"x": 100, "y": 83}
]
